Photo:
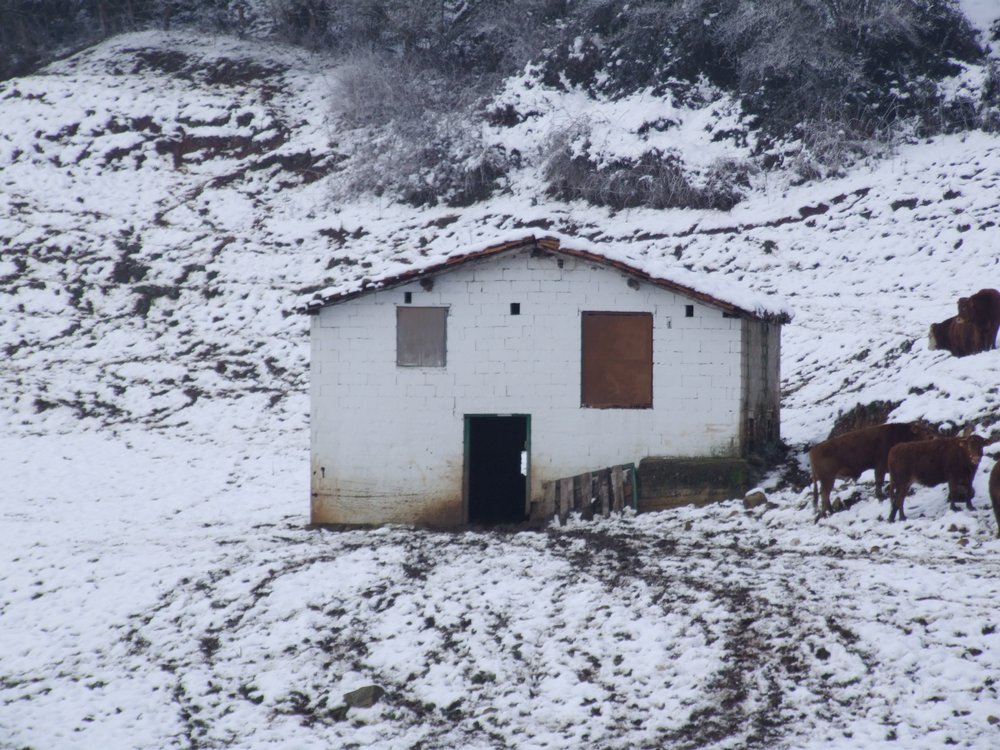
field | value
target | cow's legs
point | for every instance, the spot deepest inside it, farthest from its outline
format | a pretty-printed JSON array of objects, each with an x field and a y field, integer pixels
[
  {"x": 879, "y": 480},
  {"x": 898, "y": 495},
  {"x": 958, "y": 492},
  {"x": 825, "y": 488}
]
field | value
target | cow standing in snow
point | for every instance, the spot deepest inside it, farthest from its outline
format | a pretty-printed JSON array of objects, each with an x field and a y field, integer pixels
[
  {"x": 852, "y": 453},
  {"x": 957, "y": 335},
  {"x": 932, "y": 462}
]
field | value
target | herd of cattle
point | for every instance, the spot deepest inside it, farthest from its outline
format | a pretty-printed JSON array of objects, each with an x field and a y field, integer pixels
[{"x": 913, "y": 452}]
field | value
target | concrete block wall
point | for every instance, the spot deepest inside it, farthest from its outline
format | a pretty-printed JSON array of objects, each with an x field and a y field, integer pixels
[{"x": 388, "y": 441}]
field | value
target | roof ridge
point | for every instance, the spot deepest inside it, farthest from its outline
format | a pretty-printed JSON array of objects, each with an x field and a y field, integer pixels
[{"x": 547, "y": 243}]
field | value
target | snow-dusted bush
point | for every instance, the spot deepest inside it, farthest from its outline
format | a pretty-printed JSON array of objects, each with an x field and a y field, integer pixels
[
  {"x": 573, "y": 65},
  {"x": 466, "y": 36},
  {"x": 415, "y": 132},
  {"x": 310, "y": 23},
  {"x": 824, "y": 148},
  {"x": 574, "y": 170},
  {"x": 373, "y": 89},
  {"x": 989, "y": 118},
  {"x": 725, "y": 181},
  {"x": 444, "y": 163}
]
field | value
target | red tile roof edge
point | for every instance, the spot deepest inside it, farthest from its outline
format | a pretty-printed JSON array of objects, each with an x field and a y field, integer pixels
[{"x": 548, "y": 244}]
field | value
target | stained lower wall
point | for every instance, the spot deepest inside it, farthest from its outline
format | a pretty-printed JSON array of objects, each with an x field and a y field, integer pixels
[{"x": 388, "y": 441}]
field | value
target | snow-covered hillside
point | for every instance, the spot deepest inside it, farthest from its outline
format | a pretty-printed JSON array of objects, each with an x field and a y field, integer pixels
[{"x": 165, "y": 204}]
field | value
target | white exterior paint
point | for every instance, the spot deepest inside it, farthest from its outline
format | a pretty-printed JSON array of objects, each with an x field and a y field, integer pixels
[{"x": 388, "y": 441}]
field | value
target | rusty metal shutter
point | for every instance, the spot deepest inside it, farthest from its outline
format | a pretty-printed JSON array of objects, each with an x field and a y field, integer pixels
[
  {"x": 617, "y": 360},
  {"x": 420, "y": 336}
]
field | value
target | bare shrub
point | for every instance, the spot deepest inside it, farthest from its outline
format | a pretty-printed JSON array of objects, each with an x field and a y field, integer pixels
[
  {"x": 989, "y": 105},
  {"x": 309, "y": 23},
  {"x": 446, "y": 164},
  {"x": 787, "y": 42},
  {"x": 417, "y": 135},
  {"x": 656, "y": 179},
  {"x": 573, "y": 65},
  {"x": 725, "y": 182},
  {"x": 373, "y": 89},
  {"x": 453, "y": 167},
  {"x": 827, "y": 148}
]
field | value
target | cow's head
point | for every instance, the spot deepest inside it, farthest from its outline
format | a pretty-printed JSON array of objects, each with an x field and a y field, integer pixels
[
  {"x": 973, "y": 447},
  {"x": 937, "y": 337}
]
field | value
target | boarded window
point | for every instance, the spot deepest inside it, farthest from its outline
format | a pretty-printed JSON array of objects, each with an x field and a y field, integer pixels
[
  {"x": 420, "y": 336},
  {"x": 617, "y": 360}
]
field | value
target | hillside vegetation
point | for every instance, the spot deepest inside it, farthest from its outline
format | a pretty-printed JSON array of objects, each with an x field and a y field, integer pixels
[{"x": 811, "y": 87}]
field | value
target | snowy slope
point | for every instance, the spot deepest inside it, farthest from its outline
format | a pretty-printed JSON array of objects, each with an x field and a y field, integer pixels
[
  {"x": 165, "y": 204},
  {"x": 144, "y": 214}
]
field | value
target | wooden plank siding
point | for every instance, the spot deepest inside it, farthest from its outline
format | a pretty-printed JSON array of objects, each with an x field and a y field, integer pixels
[
  {"x": 565, "y": 497},
  {"x": 603, "y": 492}
]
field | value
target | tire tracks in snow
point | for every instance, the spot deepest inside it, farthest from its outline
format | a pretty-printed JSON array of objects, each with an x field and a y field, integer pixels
[{"x": 793, "y": 664}]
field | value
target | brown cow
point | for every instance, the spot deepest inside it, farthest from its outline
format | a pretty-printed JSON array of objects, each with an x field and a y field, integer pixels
[
  {"x": 995, "y": 493},
  {"x": 850, "y": 454},
  {"x": 957, "y": 334},
  {"x": 983, "y": 310},
  {"x": 953, "y": 460},
  {"x": 973, "y": 330}
]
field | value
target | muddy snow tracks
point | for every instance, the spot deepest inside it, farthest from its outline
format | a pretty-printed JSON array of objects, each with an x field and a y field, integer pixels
[{"x": 618, "y": 634}]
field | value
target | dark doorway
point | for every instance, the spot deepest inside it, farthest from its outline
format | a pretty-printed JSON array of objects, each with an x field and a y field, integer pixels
[{"x": 496, "y": 478}]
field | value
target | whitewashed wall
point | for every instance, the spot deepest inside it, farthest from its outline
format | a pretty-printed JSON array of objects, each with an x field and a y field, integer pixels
[{"x": 388, "y": 441}]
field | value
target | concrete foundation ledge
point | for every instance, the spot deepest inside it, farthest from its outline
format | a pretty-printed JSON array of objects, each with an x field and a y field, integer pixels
[{"x": 672, "y": 482}]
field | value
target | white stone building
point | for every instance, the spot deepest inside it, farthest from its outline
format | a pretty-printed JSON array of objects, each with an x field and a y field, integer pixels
[{"x": 450, "y": 393}]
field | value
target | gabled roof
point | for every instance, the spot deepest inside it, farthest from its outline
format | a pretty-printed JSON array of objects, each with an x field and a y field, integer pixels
[{"x": 710, "y": 292}]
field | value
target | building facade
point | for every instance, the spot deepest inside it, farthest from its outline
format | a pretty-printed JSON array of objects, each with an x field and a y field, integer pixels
[{"x": 452, "y": 393}]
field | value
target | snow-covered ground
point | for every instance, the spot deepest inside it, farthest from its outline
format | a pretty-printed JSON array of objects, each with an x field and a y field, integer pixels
[
  {"x": 163, "y": 208},
  {"x": 163, "y": 592}
]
